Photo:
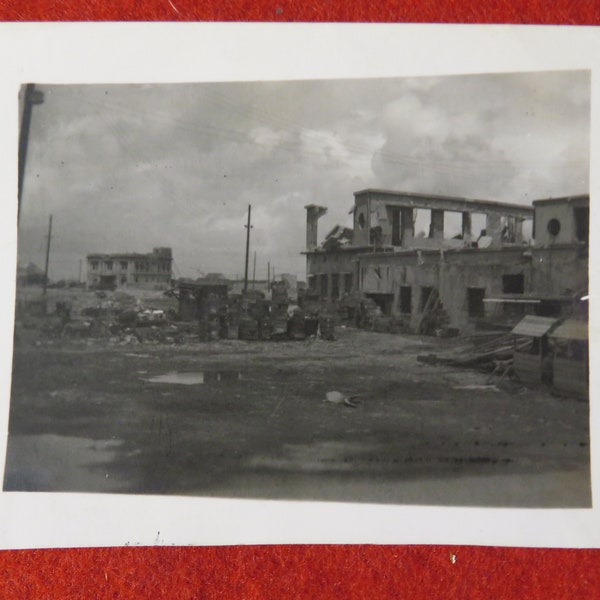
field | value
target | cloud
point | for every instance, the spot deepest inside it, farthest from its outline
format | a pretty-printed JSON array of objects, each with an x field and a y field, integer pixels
[
  {"x": 502, "y": 137},
  {"x": 131, "y": 167}
]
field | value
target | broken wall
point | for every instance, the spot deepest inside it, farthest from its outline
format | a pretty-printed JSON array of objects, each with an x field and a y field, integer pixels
[
  {"x": 559, "y": 271},
  {"x": 362, "y": 221},
  {"x": 464, "y": 279},
  {"x": 452, "y": 274},
  {"x": 331, "y": 272}
]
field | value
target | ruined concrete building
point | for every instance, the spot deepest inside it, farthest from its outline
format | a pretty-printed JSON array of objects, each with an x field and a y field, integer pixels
[
  {"x": 487, "y": 270},
  {"x": 149, "y": 271}
]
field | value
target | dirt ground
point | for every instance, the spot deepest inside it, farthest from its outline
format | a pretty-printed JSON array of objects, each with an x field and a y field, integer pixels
[{"x": 249, "y": 419}]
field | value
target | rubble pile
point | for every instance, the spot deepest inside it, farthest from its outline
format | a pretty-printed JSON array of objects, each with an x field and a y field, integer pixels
[
  {"x": 483, "y": 352},
  {"x": 296, "y": 325},
  {"x": 434, "y": 319},
  {"x": 211, "y": 323},
  {"x": 369, "y": 313},
  {"x": 121, "y": 318},
  {"x": 348, "y": 308},
  {"x": 280, "y": 318},
  {"x": 253, "y": 321},
  {"x": 250, "y": 316},
  {"x": 118, "y": 317},
  {"x": 279, "y": 310}
]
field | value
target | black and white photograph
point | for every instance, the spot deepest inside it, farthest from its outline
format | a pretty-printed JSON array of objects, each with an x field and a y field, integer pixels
[
  {"x": 348, "y": 290},
  {"x": 298, "y": 284}
]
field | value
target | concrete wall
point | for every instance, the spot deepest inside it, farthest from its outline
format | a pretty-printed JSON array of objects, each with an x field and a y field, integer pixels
[
  {"x": 545, "y": 272},
  {"x": 331, "y": 265},
  {"x": 562, "y": 210},
  {"x": 450, "y": 273},
  {"x": 557, "y": 271}
]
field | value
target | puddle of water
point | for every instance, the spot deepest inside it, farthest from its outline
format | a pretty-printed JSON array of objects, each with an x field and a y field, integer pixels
[
  {"x": 48, "y": 462},
  {"x": 196, "y": 377},
  {"x": 313, "y": 457}
]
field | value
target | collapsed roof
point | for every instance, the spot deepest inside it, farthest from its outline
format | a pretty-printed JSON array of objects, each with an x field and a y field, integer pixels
[{"x": 338, "y": 237}]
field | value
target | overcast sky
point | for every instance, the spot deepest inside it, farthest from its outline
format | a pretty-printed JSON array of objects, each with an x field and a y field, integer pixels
[{"x": 127, "y": 168}]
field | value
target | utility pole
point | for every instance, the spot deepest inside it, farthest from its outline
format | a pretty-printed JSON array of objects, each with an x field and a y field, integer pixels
[
  {"x": 80, "y": 268},
  {"x": 254, "y": 271},
  {"x": 47, "y": 255},
  {"x": 31, "y": 97},
  {"x": 248, "y": 227},
  {"x": 269, "y": 276}
]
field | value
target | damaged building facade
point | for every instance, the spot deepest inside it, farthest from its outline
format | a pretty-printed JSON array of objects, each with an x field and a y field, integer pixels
[
  {"x": 488, "y": 272},
  {"x": 147, "y": 271}
]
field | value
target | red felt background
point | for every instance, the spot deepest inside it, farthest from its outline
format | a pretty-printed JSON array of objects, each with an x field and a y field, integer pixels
[
  {"x": 576, "y": 12},
  {"x": 303, "y": 571}
]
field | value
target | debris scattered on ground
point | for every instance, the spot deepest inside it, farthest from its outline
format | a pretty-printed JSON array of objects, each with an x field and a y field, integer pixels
[
  {"x": 336, "y": 397},
  {"x": 485, "y": 352}
]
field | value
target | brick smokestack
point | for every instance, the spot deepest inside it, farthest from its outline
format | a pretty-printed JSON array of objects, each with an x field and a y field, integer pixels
[{"x": 313, "y": 214}]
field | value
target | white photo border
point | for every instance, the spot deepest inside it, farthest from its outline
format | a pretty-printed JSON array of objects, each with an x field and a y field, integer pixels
[{"x": 194, "y": 52}]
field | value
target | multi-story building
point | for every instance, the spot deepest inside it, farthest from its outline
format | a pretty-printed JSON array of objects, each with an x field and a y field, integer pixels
[
  {"x": 149, "y": 271},
  {"x": 492, "y": 274}
]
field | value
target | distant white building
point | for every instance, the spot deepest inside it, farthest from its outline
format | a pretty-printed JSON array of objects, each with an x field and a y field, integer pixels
[{"x": 150, "y": 271}]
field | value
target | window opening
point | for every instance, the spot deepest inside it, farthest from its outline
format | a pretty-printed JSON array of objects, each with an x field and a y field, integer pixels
[
  {"x": 582, "y": 223},
  {"x": 406, "y": 299},
  {"x": 425, "y": 293},
  {"x": 475, "y": 298},
  {"x": 513, "y": 284},
  {"x": 553, "y": 227}
]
